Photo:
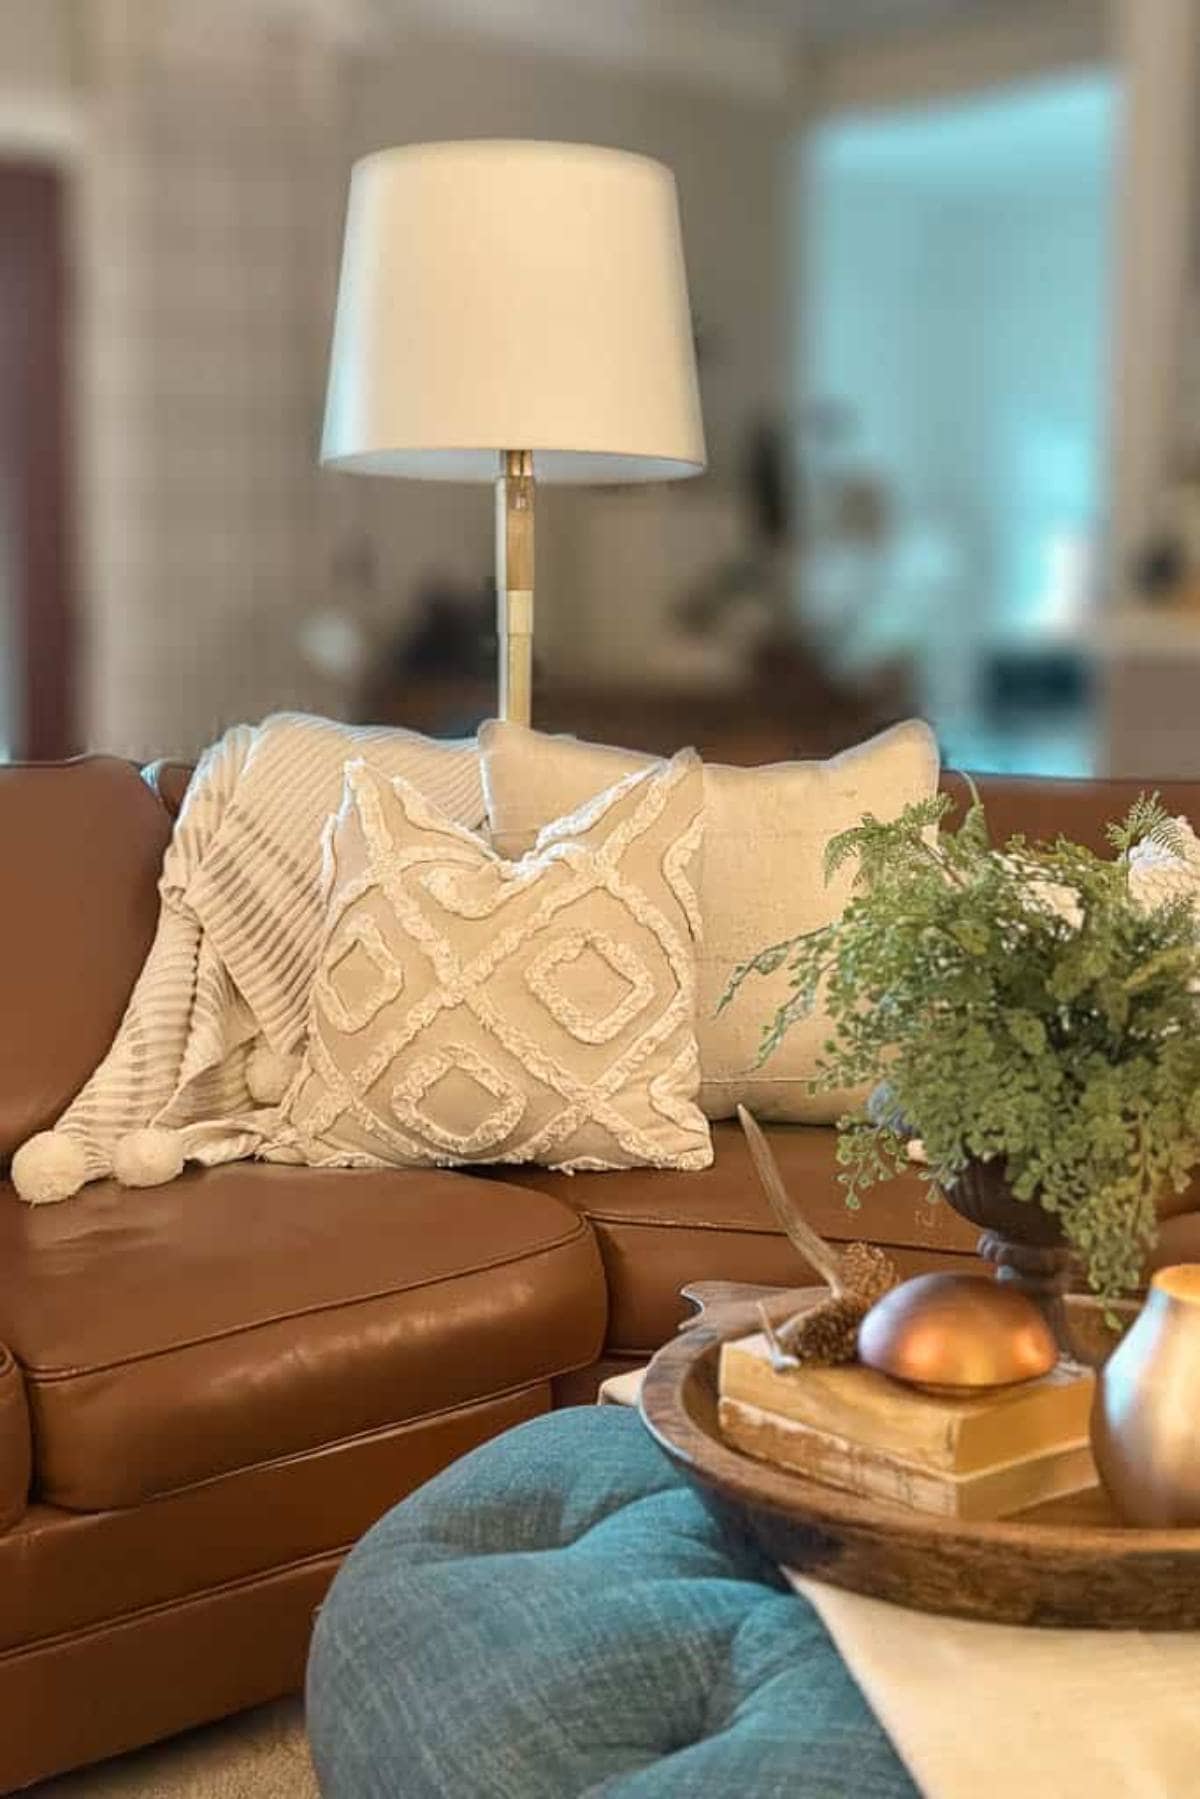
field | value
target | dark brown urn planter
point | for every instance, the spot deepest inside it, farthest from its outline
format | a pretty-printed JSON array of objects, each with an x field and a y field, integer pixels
[{"x": 1026, "y": 1244}]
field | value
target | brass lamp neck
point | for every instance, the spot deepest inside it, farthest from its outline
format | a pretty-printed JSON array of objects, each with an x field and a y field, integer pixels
[
  {"x": 514, "y": 583},
  {"x": 516, "y": 465}
]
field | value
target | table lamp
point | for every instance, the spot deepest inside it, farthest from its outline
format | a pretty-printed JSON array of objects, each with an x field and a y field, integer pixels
[{"x": 513, "y": 312}]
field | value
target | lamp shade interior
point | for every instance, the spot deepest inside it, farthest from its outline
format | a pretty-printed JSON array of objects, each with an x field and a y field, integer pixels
[{"x": 500, "y": 295}]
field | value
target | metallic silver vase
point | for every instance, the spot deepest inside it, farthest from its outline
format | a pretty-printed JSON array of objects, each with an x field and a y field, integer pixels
[{"x": 1146, "y": 1414}]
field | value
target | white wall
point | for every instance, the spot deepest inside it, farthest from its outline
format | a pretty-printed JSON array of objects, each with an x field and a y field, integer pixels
[
  {"x": 209, "y": 284},
  {"x": 1159, "y": 46},
  {"x": 39, "y": 77},
  {"x": 1005, "y": 43},
  {"x": 1152, "y": 664},
  {"x": 958, "y": 272}
]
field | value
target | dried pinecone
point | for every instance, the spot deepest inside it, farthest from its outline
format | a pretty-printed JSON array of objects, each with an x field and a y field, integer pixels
[
  {"x": 867, "y": 1271},
  {"x": 826, "y": 1335}
]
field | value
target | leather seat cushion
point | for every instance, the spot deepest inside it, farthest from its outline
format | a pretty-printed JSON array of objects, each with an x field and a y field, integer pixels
[
  {"x": 245, "y": 1313},
  {"x": 658, "y": 1231},
  {"x": 67, "y": 1571}
]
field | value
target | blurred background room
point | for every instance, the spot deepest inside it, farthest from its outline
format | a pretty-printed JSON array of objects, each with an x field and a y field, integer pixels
[{"x": 944, "y": 269}]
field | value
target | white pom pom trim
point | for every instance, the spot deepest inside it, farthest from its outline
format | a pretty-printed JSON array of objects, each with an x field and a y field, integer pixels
[
  {"x": 148, "y": 1158},
  {"x": 268, "y": 1074},
  {"x": 48, "y": 1168}
]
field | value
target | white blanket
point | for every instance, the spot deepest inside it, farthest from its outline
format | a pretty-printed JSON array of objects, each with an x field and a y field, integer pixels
[
  {"x": 994, "y": 1711},
  {"x": 230, "y": 969}
]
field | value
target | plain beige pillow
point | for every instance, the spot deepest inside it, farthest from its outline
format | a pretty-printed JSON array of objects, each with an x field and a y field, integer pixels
[
  {"x": 763, "y": 879},
  {"x": 470, "y": 1009}
]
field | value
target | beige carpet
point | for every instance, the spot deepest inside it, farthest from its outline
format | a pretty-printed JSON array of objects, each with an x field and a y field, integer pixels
[{"x": 260, "y": 1755}]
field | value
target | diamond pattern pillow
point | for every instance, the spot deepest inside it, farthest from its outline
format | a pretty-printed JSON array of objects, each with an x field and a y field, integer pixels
[{"x": 469, "y": 1009}]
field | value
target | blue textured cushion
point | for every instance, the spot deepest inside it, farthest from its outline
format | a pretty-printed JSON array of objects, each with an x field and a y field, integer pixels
[{"x": 557, "y": 1616}]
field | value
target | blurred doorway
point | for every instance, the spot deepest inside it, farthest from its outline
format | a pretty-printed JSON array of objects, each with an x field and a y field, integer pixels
[
  {"x": 36, "y": 638},
  {"x": 954, "y": 322}
]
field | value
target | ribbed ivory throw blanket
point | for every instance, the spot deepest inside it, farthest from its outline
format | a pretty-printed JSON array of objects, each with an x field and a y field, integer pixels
[{"x": 215, "y": 1024}]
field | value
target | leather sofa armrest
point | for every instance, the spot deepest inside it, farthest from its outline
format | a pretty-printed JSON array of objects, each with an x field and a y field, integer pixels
[{"x": 16, "y": 1449}]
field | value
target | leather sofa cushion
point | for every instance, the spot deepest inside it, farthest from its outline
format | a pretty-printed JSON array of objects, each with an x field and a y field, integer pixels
[
  {"x": 62, "y": 1572},
  {"x": 245, "y": 1313},
  {"x": 1178, "y": 1241},
  {"x": 83, "y": 843},
  {"x": 658, "y": 1231}
]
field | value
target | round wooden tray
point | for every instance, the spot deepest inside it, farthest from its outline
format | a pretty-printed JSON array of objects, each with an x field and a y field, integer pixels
[{"x": 1070, "y": 1563}]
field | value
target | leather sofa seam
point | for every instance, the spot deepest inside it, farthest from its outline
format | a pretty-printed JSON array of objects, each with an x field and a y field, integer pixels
[
  {"x": 466, "y": 1407},
  {"x": 730, "y": 1229},
  {"x": 335, "y": 1444},
  {"x": 419, "y": 1419},
  {"x": 162, "y": 1606},
  {"x": 42, "y": 1373},
  {"x": 680, "y": 1224}
]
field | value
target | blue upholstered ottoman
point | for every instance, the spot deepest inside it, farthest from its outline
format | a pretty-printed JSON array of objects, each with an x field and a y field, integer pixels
[{"x": 558, "y": 1616}]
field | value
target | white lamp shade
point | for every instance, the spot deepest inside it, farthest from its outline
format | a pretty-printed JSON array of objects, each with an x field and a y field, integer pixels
[{"x": 504, "y": 295}]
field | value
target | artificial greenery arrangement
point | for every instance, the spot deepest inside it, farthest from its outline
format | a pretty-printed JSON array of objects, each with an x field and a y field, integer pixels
[{"x": 1034, "y": 1003}]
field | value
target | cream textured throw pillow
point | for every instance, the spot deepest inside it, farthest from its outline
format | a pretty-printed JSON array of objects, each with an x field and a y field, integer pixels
[
  {"x": 765, "y": 834},
  {"x": 469, "y": 1009}
]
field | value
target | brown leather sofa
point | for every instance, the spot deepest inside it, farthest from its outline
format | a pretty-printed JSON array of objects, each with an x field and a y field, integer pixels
[{"x": 209, "y": 1390}]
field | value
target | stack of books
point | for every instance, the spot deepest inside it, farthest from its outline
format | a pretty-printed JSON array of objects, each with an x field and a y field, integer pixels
[{"x": 975, "y": 1458}]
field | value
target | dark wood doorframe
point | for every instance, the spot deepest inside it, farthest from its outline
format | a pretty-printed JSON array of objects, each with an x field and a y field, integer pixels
[{"x": 34, "y": 456}]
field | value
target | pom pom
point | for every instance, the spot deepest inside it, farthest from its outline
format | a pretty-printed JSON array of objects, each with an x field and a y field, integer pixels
[
  {"x": 268, "y": 1074},
  {"x": 49, "y": 1167},
  {"x": 148, "y": 1158}
]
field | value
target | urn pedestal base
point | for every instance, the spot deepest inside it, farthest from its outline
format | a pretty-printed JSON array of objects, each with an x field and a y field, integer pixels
[
  {"x": 1025, "y": 1245},
  {"x": 1044, "y": 1274}
]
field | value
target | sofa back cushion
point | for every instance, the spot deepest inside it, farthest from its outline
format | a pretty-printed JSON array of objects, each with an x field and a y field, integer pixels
[
  {"x": 765, "y": 834},
  {"x": 80, "y": 846}
]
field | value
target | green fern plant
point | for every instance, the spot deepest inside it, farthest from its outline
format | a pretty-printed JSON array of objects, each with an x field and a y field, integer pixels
[{"x": 1022, "y": 1005}]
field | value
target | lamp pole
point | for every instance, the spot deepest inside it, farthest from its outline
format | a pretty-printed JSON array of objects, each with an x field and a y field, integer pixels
[{"x": 514, "y": 584}]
